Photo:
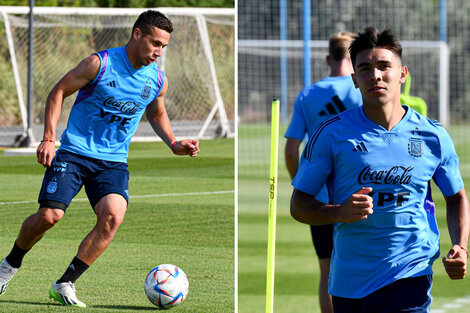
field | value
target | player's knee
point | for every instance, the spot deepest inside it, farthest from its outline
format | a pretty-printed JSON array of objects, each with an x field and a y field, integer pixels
[
  {"x": 47, "y": 218},
  {"x": 115, "y": 221},
  {"x": 110, "y": 222},
  {"x": 110, "y": 211}
]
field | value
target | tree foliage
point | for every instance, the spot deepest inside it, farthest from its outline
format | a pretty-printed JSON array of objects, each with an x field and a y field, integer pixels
[{"x": 124, "y": 3}]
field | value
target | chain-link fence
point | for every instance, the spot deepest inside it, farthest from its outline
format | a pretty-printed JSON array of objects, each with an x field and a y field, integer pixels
[
  {"x": 416, "y": 24},
  {"x": 62, "y": 39}
]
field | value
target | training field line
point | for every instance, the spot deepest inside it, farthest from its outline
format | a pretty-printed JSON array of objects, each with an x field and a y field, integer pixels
[
  {"x": 141, "y": 196},
  {"x": 455, "y": 306}
]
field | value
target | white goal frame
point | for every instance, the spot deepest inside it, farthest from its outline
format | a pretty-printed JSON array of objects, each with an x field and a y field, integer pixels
[
  {"x": 225, "y": 126},
  {"x": 244, "y": 46}
]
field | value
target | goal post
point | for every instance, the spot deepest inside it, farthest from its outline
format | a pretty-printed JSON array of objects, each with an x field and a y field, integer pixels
[
  {"x": 199, "y": 63},
  {"x": 427, "y": 61}
]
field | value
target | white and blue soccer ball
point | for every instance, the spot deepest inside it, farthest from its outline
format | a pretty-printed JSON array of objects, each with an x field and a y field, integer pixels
[{"x": 166, "y": 286}]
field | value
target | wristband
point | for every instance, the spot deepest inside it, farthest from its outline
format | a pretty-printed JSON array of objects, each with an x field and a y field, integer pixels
[
  {"x": 173, "y": 147},
  {"x": 47, "y": 140},
  {"x": 464, "y": 250}
]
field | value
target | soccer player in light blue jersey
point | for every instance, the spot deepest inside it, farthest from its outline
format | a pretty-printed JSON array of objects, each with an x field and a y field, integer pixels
[
  {"x": 314, "y": 105},
  {"x": 116, "y": 87},
  {"x": 378, "y": 161}
]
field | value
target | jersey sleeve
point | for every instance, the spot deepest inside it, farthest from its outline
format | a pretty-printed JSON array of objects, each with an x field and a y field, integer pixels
[
  {"x": 447, "y": 176},
  {"x": 298, "y": 125},
  {"x": 316, "y": 163}
]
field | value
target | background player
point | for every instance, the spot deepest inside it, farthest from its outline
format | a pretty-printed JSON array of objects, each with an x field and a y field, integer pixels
[
  {"x": 314, "y": 105},
  {"x": 116, "y": 87},
  {"x": 377, "y": 161}
]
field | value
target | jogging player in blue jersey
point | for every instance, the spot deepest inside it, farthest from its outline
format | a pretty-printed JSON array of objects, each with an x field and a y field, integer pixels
[
  {"x": 116, "y": 87},
  {"x": 314, "y": 105},
  {"x": 377, "y": 161}
]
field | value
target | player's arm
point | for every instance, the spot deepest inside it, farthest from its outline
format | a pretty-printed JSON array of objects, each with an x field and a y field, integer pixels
[
  {"x": 158, "y": 119},
  {"x": 75, "y": 79},
  {"x": 458, "y": 224},
  {"x": 306, "y": 209},
  {"x": 295, "y": 133},
  {"x": 291, "y": 152}
]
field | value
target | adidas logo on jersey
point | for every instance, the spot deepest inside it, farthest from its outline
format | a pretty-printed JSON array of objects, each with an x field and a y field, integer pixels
[
  {"x": 112, "y": 84},
  {"x": 361, "y": 147},
  {"x": 331, "y": 109}
]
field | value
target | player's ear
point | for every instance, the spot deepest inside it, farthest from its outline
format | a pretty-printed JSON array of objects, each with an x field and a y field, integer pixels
[
  {"x": 353, "y": 76},
  {"x": 136, "y": 33},
  {"x": 404, "y": 72},
  {"x": 328, "y": 60}
]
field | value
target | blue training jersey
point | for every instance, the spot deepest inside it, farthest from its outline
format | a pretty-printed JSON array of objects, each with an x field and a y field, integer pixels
[
  {"x": 400, "y": 238},
  {"x": 319, "y": 102},
  {"x": 107, "y": 111}
]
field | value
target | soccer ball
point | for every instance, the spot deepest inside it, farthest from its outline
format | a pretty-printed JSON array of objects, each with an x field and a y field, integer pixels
[{"x": 166, "y": 286}]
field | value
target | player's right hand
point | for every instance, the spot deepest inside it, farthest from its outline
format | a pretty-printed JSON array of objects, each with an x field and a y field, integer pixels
[
  {"x": 358, "y": 206},
  {"x": 186, "y": 147},
  {"x": 45, "y": 153},
  {"x": 455, "y": 263}
]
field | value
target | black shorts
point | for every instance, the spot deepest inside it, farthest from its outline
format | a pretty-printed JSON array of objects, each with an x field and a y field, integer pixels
[
  {"x": 322, "y": 236},
  {"x": 404, "y": 295},
  {"x": 69, "y": 172}
]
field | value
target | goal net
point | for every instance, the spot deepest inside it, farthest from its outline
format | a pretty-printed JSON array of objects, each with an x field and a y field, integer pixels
[
  {"x": 199, "y": 63},
  {"x": 258, "y": 57},
  {"x": 261, "y": 55}
]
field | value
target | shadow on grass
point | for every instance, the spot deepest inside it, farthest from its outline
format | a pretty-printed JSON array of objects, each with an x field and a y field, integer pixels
[
  {"x": 131, "y": 308},
  {"x": 126, "y": 307},
  {"x": 26, "y": 302}
]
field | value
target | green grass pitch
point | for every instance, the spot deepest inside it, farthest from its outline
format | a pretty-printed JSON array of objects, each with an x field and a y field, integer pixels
[
  {"x": 297, "y": 272},
  {"x": 181, "y": 211}
]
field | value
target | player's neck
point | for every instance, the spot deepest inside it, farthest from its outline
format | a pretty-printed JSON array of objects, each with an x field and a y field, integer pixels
[
  {"x": 386, "y": 115},
  {"x": 131, "y": 56},
  {"x": 341, "y": 68},
  {"x": 339, "y": 73}
]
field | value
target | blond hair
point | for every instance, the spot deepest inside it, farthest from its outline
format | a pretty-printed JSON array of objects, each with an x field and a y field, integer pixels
[{"x": 339, "y": 45}]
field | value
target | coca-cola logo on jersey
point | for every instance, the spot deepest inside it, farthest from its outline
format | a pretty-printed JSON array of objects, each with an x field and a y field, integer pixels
[
  {"x": 395, "y": 175},
  {"x": 130, "y": 107}
]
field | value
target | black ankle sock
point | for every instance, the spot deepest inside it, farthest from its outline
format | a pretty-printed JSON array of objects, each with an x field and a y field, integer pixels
[
  {"x": 15, "y": 258},
  {"x": 74, "y": 271}
]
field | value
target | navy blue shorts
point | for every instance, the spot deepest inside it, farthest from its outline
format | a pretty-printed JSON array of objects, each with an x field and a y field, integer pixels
[
  {"x": 404, "y": 295},
  {"x": 69, "y": 172},
  {"x": 322, "y": 236}
]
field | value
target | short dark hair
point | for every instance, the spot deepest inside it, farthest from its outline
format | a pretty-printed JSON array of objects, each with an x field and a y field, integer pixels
[
  {"x": 151, "y": 18},
  {"x": 373, "y": 38}
]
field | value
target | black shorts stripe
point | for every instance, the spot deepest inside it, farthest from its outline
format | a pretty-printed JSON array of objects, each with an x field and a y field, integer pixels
[{"x": 52, "y": 204}]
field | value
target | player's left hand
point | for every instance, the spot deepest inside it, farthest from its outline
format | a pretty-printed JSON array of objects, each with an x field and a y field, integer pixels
[
  {"x": 187, "y": 147},
  {"x": 46, "y": 152},
  {"x": 456, "y": 262}
]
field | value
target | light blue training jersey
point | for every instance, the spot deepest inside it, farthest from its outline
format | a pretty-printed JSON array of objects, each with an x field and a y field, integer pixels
[
  {"x": 107, "y": 111},
  {"x": 400, "y": 238},
  {"x": 319, "y": 102}
]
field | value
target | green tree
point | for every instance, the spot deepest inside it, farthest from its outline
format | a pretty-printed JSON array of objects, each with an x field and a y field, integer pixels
[{"x": 124, "y": 3}]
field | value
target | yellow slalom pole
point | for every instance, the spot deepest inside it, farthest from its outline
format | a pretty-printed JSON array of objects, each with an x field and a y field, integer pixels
[{"x": 272, "y": 205}]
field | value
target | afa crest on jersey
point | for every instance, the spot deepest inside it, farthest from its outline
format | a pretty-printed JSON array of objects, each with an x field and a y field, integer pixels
[
  {"x": 145, "y": 93},
  {"x": 415, "y": 147}
]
